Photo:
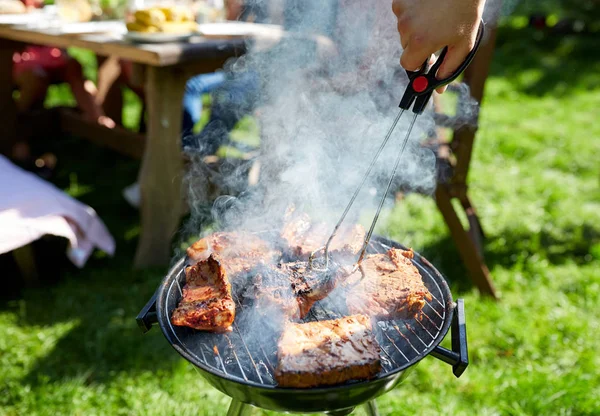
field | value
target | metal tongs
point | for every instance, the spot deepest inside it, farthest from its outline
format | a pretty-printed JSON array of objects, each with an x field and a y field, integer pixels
[{"x": 421, "y": 85}]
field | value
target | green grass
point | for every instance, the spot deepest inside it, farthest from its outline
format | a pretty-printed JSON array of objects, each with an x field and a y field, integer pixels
[{"x": 73, "y": 348}]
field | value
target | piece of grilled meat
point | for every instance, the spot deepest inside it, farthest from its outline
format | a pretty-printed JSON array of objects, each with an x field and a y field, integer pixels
[
  {"x": 308, "y": 285},
  {"x": 273, "y": 295},
  {"x": 323, "y": 353},
  {"x": 291, "y": 289},
  {"x": 206, "y": 304},
  {"x": 303, "y": 238},
  {"x": 240, "y": 252},
  {"x": 391, "y": 288}
]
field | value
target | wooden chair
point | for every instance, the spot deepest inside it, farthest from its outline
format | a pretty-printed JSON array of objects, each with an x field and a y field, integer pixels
[{"x": 454, "y": 158}]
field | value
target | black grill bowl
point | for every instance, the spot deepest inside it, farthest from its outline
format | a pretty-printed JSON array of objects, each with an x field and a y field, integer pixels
[{"x": 246, "y": 373}]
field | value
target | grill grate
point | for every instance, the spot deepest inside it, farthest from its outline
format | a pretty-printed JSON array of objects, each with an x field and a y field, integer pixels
[{"x": 235, "y": 355}]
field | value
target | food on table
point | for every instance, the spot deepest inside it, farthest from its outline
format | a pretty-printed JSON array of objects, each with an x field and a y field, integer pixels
[
  {"x": 74, "y": 10},
  {"x": 304, "y": 237},
  {"x": 177, "y": 14},
  {"x": 391, "y": 288},
  {"x": 178, "y": 27},
  {"x": 138, "y": 27},
  {"x": 327, "y": 352},
  {"x": 162, "y": 20},
  {"x": 12, "y": 7},
  {"x": 240, "y": 252},
  {"x": 150, "y": 17},
  {"x": 206, "y": 304}
]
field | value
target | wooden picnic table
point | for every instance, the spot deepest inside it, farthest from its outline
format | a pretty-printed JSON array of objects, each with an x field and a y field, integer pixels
[{"x": 164, "y": 70}]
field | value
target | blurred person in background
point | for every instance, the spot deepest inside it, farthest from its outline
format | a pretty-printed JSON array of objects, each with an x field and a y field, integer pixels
[
  {"x": 35, "y": 68},
  {"x": 222, "y": 83},
  {"x": 360, "y": 63},
  {"x": 233, "y": 95}
]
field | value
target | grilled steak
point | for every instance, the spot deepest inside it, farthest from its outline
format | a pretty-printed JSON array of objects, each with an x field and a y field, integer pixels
[
  {"x": 273, "y": 295},
  {"x": 206, "y": 304},
  {"x": 391, "y": 288},
  {"x": 240, "y": 252},
  {"x": 308, "y": 286},
  {"x": 303, "y": 238},
  {"x": 325, "y": 353},
  {"x": 290, "y": 289}
]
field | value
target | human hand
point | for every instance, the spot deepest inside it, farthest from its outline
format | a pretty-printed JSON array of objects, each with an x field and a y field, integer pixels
[{"x": 426, "y": 26}]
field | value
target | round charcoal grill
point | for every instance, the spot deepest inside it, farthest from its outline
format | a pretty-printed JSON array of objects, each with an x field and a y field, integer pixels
[{"x": 241, "y": 363}]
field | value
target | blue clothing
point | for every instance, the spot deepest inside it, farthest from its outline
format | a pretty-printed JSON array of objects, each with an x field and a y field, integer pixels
[
  {"x": 255, "y": 10},
  {"x": 234, "y": 95},
  {"x": 233, "y": 98},
  {"x": 192, "y": 97}
]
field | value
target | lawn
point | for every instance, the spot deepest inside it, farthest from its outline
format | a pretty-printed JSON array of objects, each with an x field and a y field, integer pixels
[{"x": 72, "y": 346}]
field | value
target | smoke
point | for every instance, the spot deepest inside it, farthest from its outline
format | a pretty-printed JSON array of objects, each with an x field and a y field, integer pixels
[
  {"x": 329, "y": 91},
  {"x": 329, "y": 94}
]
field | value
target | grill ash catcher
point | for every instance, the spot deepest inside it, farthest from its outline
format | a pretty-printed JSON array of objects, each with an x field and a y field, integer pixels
[{"x": 244, "y": 370}]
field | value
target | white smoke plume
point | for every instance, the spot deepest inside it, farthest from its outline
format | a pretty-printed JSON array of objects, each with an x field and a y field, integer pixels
[{"x": 325, "y": 106}]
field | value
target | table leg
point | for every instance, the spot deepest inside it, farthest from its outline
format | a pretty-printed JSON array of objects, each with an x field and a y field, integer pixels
[
  {"x": 371, "y": 408},
  {"x": 162, "y": 166},
  {"x": 25, "y": 259},
  {"x": 8, "y": 109}
]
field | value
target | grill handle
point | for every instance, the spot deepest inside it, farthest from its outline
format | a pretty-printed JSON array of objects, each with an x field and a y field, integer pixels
[
  {"x": 147, "y": 316},
  {"x": 458, "y": 357}
]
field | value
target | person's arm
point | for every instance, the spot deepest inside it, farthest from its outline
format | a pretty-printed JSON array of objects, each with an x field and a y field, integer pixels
[
  {"x": 233, "y": 9},
  {"x": 426, "y": 26}
]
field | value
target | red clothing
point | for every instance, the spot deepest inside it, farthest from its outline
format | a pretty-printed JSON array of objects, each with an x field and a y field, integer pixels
[{"x": 46, "y": 58}]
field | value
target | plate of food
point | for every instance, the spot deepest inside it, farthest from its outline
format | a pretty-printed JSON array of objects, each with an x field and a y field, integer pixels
[
  {"x": 161, "y": 25},
  {"x": 8, "y": 7},
  {"x": 236, "y": 29},
  {"x": 156, "y": 37}
]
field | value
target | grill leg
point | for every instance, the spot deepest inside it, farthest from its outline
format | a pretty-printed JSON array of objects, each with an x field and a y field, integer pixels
[
  {"x": 237, "y": 408},
  {"x": 342, "y": 412},
  {"x": 371, "y": 408}
]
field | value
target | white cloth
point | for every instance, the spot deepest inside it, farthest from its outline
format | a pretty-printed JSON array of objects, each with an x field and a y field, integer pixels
[{"x": 31, "y": 208}]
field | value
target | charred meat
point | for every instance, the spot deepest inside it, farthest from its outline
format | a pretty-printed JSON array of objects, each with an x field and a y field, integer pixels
[
  {"x": 291, "y": 289},
  {"x": 274, "y": 296},
  {"x": 391, "y": 287},
  {"x": 303, "y": 238},
  {"x": 308, "y": 286},
  {"x": 326, "y": 353},
  {"x": 240, "y": 252},
  {"x": 206, "y": 304}
]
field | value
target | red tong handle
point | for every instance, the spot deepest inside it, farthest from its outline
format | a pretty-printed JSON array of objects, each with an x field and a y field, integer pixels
[{"x": 423, "y": 82}]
